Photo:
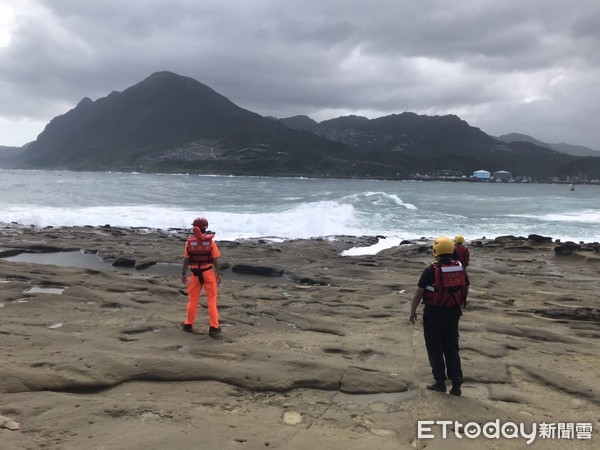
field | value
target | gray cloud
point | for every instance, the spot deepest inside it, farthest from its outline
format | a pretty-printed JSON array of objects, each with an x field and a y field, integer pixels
[{"x": 529, "y": 67}]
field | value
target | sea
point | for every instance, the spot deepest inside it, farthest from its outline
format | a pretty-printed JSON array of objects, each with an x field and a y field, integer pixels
[{"x": 239, "y": 207}]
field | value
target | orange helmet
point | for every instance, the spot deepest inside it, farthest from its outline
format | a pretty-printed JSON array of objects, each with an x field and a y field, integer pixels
[{"x": 201, "y": 223}]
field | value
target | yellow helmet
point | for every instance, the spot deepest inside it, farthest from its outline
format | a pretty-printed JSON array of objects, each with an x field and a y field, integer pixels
[
  {"x": 459, "y": 239},
  {"x": 443, "y": 246}
]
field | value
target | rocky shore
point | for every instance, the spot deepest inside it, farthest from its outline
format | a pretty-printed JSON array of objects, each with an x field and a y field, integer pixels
[{"x": 316, "y": 351}]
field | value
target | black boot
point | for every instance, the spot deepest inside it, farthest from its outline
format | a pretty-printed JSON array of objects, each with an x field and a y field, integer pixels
[
  {"x": 439, "y": 386},
  {"x": 456, "y": 389}
]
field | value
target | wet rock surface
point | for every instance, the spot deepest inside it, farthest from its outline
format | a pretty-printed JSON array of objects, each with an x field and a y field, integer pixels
[{"x": 320, "y": 357}]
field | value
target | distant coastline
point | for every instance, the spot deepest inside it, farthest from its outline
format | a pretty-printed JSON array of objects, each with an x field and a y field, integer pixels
[{"x": 456, "y": 179}]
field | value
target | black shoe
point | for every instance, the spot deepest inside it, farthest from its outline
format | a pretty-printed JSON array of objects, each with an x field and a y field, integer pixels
[
  {"x": 440, "y": 386},
  {"x": 456, "y": 390},
  {"x": 212, "y": 331},
  {"x": 187, "y": 327}
]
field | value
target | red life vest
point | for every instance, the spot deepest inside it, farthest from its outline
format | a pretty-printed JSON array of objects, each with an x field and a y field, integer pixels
[
  {"x": 461, "y": 253},
  {"x": 199, "y": 247},
  {"x": 449, "y": 286}
]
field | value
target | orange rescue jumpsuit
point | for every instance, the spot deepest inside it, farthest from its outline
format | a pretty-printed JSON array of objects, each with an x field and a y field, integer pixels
[{"x": 194, "y": 288}]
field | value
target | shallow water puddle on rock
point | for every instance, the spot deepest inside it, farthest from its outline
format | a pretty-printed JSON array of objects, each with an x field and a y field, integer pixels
[
  {"x": 84, "y": 260},
  {"x": 72, "y": 258},
  {"x": 45, "y": 290},
  {"x": 12, "y": 280}
]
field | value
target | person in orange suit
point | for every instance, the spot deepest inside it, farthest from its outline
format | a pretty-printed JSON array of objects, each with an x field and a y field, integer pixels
[{"x": 201, "y": 256}]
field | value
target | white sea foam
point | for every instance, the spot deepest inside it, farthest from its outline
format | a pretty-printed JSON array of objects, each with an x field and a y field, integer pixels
[
  {"x": 373, "y": 249},
  {"x": 306, "y": 220},
  {"x": 125, "y": 216},
  {"x": 381, "y": 199}
]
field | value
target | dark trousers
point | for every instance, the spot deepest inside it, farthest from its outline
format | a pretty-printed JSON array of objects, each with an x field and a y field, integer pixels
[{"x": 441, "y": 339}]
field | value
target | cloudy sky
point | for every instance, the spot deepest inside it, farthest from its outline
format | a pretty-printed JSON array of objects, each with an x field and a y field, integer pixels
[{"x": 527, "y": 66}]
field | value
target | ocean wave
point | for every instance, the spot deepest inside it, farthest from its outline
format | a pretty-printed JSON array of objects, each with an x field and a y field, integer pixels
[
  {"x": 585, "y": 216},
  {"x": 250, "y": 207},
  {"x": 307, "y": 220},
  {"x": 380, "y": 199}
]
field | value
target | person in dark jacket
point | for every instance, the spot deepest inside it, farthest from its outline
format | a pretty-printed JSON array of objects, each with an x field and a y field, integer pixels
[
  {"x": 461, "y": 251},
  {"x": 443, "y": 288}
]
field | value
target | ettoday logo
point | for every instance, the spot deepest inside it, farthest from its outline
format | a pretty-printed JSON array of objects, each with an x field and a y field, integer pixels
[{"x": 430, "y": 429}]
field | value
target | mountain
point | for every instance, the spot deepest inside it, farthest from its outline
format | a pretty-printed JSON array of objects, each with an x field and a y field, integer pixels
[
  {"x": 171, "y": 123},
  {"x": 6, "y": 150},
  {"x": 567, "y": 149},
  {"x": 8, "y": 153},
  {"x": 408, "y": 133},
  {"x": 432, "y": 143},
  {"x": 301, "y": 123}
]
